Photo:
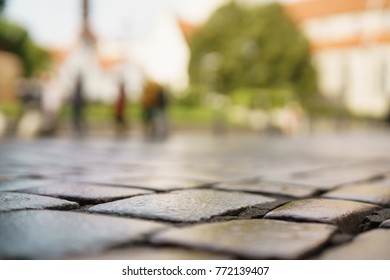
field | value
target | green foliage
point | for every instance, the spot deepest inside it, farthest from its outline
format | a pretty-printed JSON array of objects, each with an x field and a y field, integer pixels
[
  {"x": 252, "y": 48},
  {"x": 2, "y": 5},
  {"x": 266, "y": 98},
  {"x": 15, "y": 39}
]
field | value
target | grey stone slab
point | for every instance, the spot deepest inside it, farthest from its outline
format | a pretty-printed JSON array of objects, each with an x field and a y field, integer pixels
[
  {"x": 155, "y": 253},
  {"x": 205, "y": 171},
  {"x": 251, "y": 239},
  {"x": 329, "y": 178},
  {"x": 371, "y": 245},
  {"x": 14, "y": 185},
  {"x": 385, "y": 224},
  {"x": 182, "y": 206},
  {"x": 160, "y": 183},
  {"x": 44, "y": 234},
  {"x": 259, "y": 186},
  {"x": 347, "y": 215},
  {"x": 18, "y": 201},
  {"x": 371, "y": 193},
  {"x": 86, "y": 193}
]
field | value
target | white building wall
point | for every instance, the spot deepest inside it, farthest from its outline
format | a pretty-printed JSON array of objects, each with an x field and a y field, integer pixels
[
  {"x": 358, "y": 75},
  {"x": 348, "y": 25},
  {"x": 364, "y": 95},
  {"x": 331, "y": 66}
]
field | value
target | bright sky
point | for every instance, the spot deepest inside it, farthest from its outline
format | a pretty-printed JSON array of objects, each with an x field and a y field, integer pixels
[{"x": 57, "y": 23}]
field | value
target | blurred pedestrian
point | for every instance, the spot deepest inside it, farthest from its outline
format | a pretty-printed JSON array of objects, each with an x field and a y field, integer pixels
[
  {"x": 120, "y": 110},
  {"x": 154, "y": 111},
  {"x": 30, "y": 121},
  {"x": 51, "y": 105},
  {"x": 78, "y": 104},
  {"x": 3, "y": 124},
  {"x": 160, "y": 118},
  {"x": 148, "y": 103}
]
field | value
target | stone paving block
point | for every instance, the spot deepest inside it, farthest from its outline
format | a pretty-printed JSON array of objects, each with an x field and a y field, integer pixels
[
  {"x": 13, "y": 185},
  {"x": 251, "y": 239},
  {"x": 86, "y": 193},
  {"x": 330, "y": 178},
  {"x": 259, "y": 186},
  {"x": 371, "y": 245},
  {"x": 205, "y": 171},
  {"x": 44, "y": 234},
  {"x": 155, "y": 253},
  {"x": 182, "y": 206},
  {"x": 371, "y": 193},
  {"x": 18, "y": 201},
  {"x": 385, "y": 224},
  {"x": 347, "y": 215},
  {"x": 160, "y": 183}
]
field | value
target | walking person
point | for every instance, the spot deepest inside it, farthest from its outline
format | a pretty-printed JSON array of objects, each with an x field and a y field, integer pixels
[
  {"x": 148, "y": 103},
  {"x": 78, "y": 107},
  {"x": 120, "y": 111},
  {"x": 161, "y": 119}
]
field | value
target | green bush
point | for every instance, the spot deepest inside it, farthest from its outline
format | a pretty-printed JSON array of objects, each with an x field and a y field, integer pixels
[
  {"x": 15, "y": 39},
  {"x": 252, "y": 48}
]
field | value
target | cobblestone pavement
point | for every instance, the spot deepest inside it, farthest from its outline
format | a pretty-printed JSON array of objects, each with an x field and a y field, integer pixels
[{"x": 196, "y": 196}]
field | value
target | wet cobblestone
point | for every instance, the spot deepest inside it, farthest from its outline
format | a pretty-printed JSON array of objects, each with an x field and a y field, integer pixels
[
  {"x": 85, "y": 193},
  {"x": 264, "y": 239},
  {"x": 371, "y": 245},
  {"x": 371, "y": 193},
  {"x": 53, "y": 234},
  {"x": 182, "y": 206},
  {"x": 17, "y": 201},
  {"x": 258, "y": 186},
  {"x": 160, "y": 183},
  {"x": 347, "y": 215},
  {"x": 196, "y": 197},
  {"x": 155, "y": 253}
]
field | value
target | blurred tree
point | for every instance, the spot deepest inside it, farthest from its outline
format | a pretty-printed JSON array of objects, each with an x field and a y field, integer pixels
[
  {"x": 2, "y": 5},
  {"x": 15, "y": 39},
  {"x": 256, "y": 47}
]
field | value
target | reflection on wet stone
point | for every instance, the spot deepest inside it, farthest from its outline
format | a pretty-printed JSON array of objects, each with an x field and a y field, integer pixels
[
  {"x": 258, "y": 239},
  {"x": 182, "y": 206}
]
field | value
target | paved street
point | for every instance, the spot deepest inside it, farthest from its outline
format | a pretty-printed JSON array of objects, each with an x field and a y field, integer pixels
[{"x": 197, "y": 196}]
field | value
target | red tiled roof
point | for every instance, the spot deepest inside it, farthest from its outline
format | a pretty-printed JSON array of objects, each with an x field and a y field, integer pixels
[
  {"x": 309, "y": 9},
  {"x": 187, "y": 29},
  {"x": 382, "y": 38}
]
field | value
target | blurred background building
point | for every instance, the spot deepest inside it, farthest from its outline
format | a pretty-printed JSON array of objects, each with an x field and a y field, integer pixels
[
  {"x": 108, "y": 43},
  {"x": 350, "y": 42}
]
